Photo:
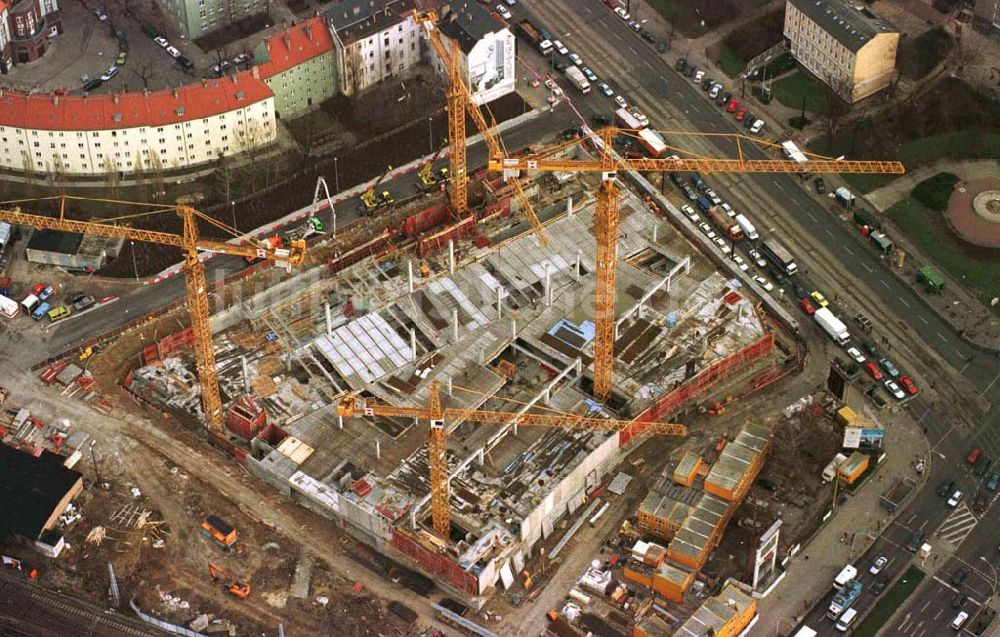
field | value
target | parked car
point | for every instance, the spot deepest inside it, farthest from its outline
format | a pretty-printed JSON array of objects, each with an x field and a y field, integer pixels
[
  {"x": 873, "y": 370},
  {"x": 620, "y": 101},
  {"x": 764, "y": 283},
  {"x": 742, "y": 114},
  {"x": 955, "y": 498},
  {"x": 959, "y": 576},
  {"x": 993, "y": 482},
  {"x": 681, "y": 64},
  {"x": 82, "y": 302},
  {"x": 58, "y": 313},
  {"x": 707, "y": 230},
  {"x": 723, "y": 245},
  {"x": 889, "y": 367},
  {"x": 820, "y": 184},
  {"x": 622, "y": 13},
  {"x": 807, "y": 307},
  {"x": 958, "y": 601},
  {"x": 173, "y": 52},
  {"x": 575, "y": 59},
  {"x": 819, "y": 298},
  {"x": 733, "y": 105},
  {"x": 689, "y": 212},
  {"x": 916, "y": 539},
  {"x": 699, "y": 76},
  {"x": 973, "y": 456},
  {"x": 505, "y": 13},
  {"x": 109, "y": 74},
  {"x": 46, "y": 293},
  {"x": 758, "y": 258},
  {"x": 983, "y": 466},
  {"x": 856, "y": 354},
  {"x": 894, "y": 389},
  {"x": 635, "y": 26},
  {"x": 757, "y": 126},
  {"x": 600, "y": 120},
  {"x": 908, "y": 385},
  {"x": 103, "y": 17},
  {"x": 162, "y": 41},
  {"x": 707, "y": 83},
  {"x": 714, "y": 91},
  {"x": 945, "y": 487},
  {"x": 590, "y": 75},
  {"x": 740, "y": 263},
  {"x": 92, "y": 85},
  {"x": 980, "y": 502},
  {"x": 878, "y": 565},
  {"x": 879, "y": 585}
]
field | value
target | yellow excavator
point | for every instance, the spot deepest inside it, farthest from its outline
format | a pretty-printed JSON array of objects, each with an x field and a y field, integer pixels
[
  {"x": 429, "y": 180},
  {"x": 370, "y": 201}
]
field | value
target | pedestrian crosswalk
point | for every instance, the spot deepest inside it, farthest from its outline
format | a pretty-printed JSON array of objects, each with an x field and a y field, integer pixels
[{"x": 958, "y": 525}]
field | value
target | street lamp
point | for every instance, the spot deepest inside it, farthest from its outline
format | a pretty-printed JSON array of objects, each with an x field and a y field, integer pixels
[
  {"x": 336, "y": 176},
  {"x": 430, "y": 134},
  {"x": 232, "y": 207},
  {"x": 135, "y": 268}
]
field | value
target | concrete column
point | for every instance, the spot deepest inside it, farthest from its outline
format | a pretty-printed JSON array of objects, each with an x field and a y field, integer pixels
[
  {"x": 482, "y": 455},
  {"x": 450, "y": 387},
  {"x": 413, "y": 343},
  {"x": 340, "y": 422},
  {"x": 378, "y": 449},
  {"x": 454, "y": 323},
  {"x": 513, "y": 328},
  {"x": 547, "y": 396},
  {"x": 246, "y": 374},
  {"x": 329, "y": 319},
  {"x": 569, "y": 206},
  {"x": 655, "y": 228},
  {"x": 409, "y": 268},
  {"x": 451, "y": 256},
  {"x": 548, "y": 285},
  {"x": 578, "y": 256},
  {"x": 499, "y": 303},
  {"x": 616, "y": 331}
]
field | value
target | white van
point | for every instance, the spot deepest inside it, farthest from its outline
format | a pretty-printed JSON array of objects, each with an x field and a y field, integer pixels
[
  {"x": 845, "y": 620},
  {"x": 960, "y": 618}
]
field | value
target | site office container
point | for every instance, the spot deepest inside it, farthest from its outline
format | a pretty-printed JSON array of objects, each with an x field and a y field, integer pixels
[{"x": 217, "y": 529}]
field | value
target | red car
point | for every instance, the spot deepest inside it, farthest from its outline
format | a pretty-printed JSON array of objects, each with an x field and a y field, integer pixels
[
  {"x": 908, "y": 385},
  {"x": 741, "y": 115},
  {"x": 873, "y": 370},
  {"x": 733, "y": 105},
  {"x": 36, "y": 289},
  {"x": 973, "y": 456},
  {"x": 807, "y": 307}
]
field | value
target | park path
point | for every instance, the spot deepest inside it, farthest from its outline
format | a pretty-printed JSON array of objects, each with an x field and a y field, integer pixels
[{"x": 900, "y": 187}]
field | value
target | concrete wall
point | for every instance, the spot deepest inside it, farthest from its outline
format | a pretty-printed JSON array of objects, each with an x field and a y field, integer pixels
[
  {"x": 875, "y": 65},
  {"x": 304, "y": 85}
]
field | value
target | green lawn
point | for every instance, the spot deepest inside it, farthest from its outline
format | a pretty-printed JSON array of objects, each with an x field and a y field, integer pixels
[
  {"x": 929, "y": 231},
  {"x": 891, "y": 600},
  {"x": 790, "y": 91},
  {"x": 730, "y": 63},
  {"x": 963, "y": 144},
  {"x": 780, "y": 65}
]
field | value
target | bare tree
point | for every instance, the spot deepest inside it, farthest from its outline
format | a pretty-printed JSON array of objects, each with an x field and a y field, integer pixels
[
  {"x": 112, "y": 179},
  {"x": 834, "y": 107},
  {"x": 156, "y": 174},
  {"x": 354, "y": 69},
  {"x": 145, "y": 73}
]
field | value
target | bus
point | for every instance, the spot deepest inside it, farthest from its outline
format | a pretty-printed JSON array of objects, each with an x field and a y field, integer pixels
[
  {"x": 627, "y": 120},
  {"x": 653, "y": 143},
  {"x": 846, "y": 574},
  {"x": 9, "y": 307},
  {"x": 779, "y": 256}
]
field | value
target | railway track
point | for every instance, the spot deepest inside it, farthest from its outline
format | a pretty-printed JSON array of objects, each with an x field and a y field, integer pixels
[{"x": 28, "y": 610}]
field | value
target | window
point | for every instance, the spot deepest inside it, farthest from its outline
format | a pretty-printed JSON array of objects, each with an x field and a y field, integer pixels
[
  {"x": 36, "y": 144},
  {"x": 163, "y": 151},
  {"x": 163, "y": 141}
]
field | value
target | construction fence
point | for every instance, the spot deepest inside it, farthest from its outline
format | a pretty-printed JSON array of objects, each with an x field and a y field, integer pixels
[{"x": 437, "y": 566}]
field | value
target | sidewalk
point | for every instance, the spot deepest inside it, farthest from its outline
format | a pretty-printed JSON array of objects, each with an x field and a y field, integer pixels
[{"x": 825, "y": 554}]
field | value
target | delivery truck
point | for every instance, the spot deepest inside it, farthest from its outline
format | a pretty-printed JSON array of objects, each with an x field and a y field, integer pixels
[
  {"x": 533, "y": 34},
  {"x": 832, "y": 325},
  {"x": 718, "y": 215},
  {"x": 749, "y": 231},
  {"x": 575, "y": 76}
]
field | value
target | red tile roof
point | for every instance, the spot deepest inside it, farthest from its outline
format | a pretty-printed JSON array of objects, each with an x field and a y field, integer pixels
[
  {"x": 296, "y": 45},
  {"x": 129, "y": 110}
]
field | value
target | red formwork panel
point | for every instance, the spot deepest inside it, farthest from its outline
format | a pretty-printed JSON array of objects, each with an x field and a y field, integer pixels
[
  {"x": 437, "y": 566},
  {"x": 709, "y": 377}
]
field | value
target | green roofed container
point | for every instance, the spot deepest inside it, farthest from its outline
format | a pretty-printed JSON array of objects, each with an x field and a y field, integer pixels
[{"x": 930, "y": 277}]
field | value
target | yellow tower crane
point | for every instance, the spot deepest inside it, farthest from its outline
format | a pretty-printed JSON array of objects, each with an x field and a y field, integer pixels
[
  {"x": 460, "y": 101},
  {"x": 607, "y": 197},
  {"x": 190, "y": 244},
  {"x": 437, "y": 443}
]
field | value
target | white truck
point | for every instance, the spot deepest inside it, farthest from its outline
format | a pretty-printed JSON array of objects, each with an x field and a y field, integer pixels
[
  {"x": 748, "y": 230},
  {"x": 830, "y": 471},
  {"x": 846, "y": 574},
  {"x": 575, "y": 75},
  {"x": 4, "y": 234},
  {"x": 832, "y": 325}
]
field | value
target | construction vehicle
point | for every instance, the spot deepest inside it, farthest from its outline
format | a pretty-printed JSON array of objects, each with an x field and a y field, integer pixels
[
  {"x": 370, "y": 200},
  {"x": 235, "y": 587},
  {"x": 191, "y": 244},
  {"x": 429, "y": 180},
  {"x": 219, "y": 530},
  {"x": 437, "y": 445}
]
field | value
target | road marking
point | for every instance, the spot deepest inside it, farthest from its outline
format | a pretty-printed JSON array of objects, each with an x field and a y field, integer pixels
[
  {"x": 946, "y": 585},
  {"x": 811, "y": 217},
  {"x": 849, "y": 251},
  {"x": 882, "y": 281},
  {"x": 619, "y": 37},
  {"x": 924, "y": 525},
  {"x": 943, "y": 339},
  {"x": 903, "y": 301},
  {"x": 648, "y": 65},
  {"x": 664, "y": 78},
  {"x": 634, "y": 52},
  {"x": 867, "y": 268},
  {"x": 962, "y": 371},
  {"x": 827, "y": 230},
  {"x": 778, "y": 186},
  {"x": 924, "y": 607},
  {"x": 922, "y": 319},
  {"x": 958, "y": 525}
]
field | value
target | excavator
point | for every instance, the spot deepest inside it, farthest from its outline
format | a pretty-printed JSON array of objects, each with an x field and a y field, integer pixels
[
  {"x": 371, "y": 201},
  {"x": 429, "y": 180},
  {"x": 235, "y": 587}
]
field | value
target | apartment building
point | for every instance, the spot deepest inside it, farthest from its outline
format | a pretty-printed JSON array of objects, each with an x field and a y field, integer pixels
[
  {"x": 847, "y": 47},
  {"x": 150, "y": 130},
  {"x": 195, "y": 18},
  {"x": 299, "y": 65},
  {"x": 374, "y": 40},
  {"x": 25, "y": 30},
  {"x": 487, "y": 48}
]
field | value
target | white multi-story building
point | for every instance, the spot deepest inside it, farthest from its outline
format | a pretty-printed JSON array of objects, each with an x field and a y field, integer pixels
[
  {"x": 848, "y": 47},
  {"x": 375, "y": 40},
  {"x": 487, "y": 49},
  {"x": 151, "y": 130}
]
